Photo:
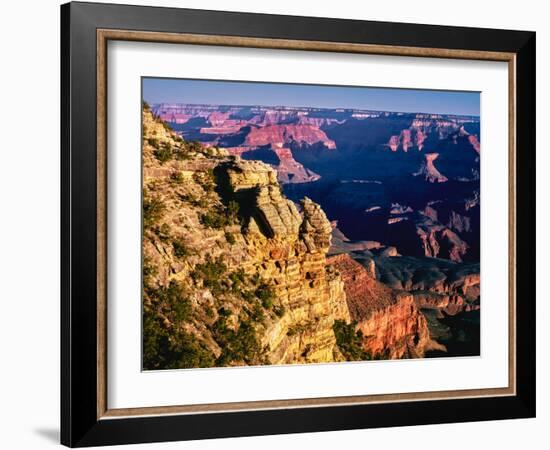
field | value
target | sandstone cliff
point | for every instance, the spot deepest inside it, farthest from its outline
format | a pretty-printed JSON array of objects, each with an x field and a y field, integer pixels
[
  {"x": 234, "y": 274},
  {"x": 389, "y": 321}
]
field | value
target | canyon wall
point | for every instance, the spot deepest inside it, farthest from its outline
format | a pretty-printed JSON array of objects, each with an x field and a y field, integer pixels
[
  {"x": 245, "y": 269},
  {"x": 390, "y": 322}
]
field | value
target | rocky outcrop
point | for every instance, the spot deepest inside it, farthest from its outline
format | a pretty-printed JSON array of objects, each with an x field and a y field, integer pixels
[
  {"x": 434, "y": 283},
  {"x": 459, "y": 222},
  {"x": 440, "y": 241},
  {"x": 251, "y": 268},
  {"x": 287, "y": 134},
  {"x": 341, "y": 244},
  {"x": 450, "y": 304},
  {"x": 291, "y": 171},
  {"x": 429, "y": 171},
  {"x": 408, "y": 138},
  {"x": 389, "y": 320},
  {"x": 290, "y": 249},
  {"x": 430, "y": 212},
  {"x": 396, "y": 208}
]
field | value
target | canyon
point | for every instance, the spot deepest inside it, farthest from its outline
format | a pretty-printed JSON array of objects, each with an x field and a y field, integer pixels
[
  {"x": 350, "y": 161},
  {"x": 304, "y": 235}
]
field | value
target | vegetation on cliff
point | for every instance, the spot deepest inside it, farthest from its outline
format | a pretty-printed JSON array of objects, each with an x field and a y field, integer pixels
[
  {"x": 232, "y": 273},
  {"x": 350, "y": 341}
]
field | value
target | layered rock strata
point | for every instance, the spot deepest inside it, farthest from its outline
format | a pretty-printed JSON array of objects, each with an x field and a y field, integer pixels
[
  {"x": 390, "y": 322},
  {"x": 228, "y": 216}
]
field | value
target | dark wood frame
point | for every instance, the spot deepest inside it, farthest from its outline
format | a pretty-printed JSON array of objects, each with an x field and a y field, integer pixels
[{"x": 85, "y": 29}]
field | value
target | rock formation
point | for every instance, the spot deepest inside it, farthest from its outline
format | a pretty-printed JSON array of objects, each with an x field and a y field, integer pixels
[
  {"x": 434, "y": 283},
  {"x": 389, "y": 320},
  {"x": 289, "y": 170},
  {"x": 440, "y": 241},
  {"x": 251, "y": 268},
  {"x": 286, "y": 134},
  {"x": 429, "y": 171},
  {"x": 235, "y": 273}
]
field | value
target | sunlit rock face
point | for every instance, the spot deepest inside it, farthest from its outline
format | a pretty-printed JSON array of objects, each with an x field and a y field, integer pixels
[
  {"x": 391, "y": 324},
  {"x": 275, "y": 245}
]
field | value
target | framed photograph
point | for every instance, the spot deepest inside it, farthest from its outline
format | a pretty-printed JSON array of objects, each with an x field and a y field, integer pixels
[{"x": 276, "y": 224}]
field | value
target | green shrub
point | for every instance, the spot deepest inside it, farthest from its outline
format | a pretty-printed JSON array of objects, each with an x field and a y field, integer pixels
[
  {"x": 171, "y": 348},
  {"x": 248, "y": 295},
  {"x": 211, "y": 273},
  {"x": 153, "y": 142},
  {"x": 191, "y": 199},
  {"x": 255, "y": 279},
  {"x": 279, "y": 310},
  {"x": 176, "y": 177},
  {"x": 215, "y": 218},
  {"x": 148, "y": 271},
  {"x": 164, "y": 153},
  {"x": 230, "y": 238},
  {"x": 181, "y": 154},
  {"x": 266, "y": 294},
  {"x": 233, "y": 211},
  {"x": 165, "y": 345},
  {"x": 206, "y": 180},
  {"x": 195, "y": 146},
  {"x": 219, "y": 217},
  {"x": 180, "y": 249},
  {"x": 209, "y": 312},
  {"x": 237, "y": 279},
  {"x": 153, "y": 210},
  {"x": 173, "y": 301},
  {"x": 258, "y": 312},
  {"x": 349, "y": 341},
  {"x": 297, "y": 329},
  {"x": 163, "y": 232},
  {"x": 209, "y": 181},
  {"x": 241, "y": 345},
  {"x": 200, "y": 202}
]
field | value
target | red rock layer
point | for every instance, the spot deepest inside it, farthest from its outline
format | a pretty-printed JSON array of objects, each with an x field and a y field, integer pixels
[
  {"x": 407, "y": 139},
  {"x": 390, "y": 322},
  {"x": 285, "y": 134},
  {"x": 475, "y": 143},
  {"x": 441, "y": 242}
]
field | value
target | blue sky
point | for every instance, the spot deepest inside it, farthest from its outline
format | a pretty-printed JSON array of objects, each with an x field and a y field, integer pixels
[{"x": 160, "y": 90}]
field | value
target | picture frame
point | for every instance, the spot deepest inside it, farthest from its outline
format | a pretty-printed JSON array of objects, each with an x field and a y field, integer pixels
[{"x": 86, "y": 29}]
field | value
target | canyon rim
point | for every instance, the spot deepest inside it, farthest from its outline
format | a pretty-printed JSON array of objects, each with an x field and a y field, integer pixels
[{"x": 293, "y": 224}]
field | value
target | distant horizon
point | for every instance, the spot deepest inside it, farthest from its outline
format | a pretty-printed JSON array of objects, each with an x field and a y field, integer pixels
[
  {"x": 246, "y": 94},
  {"x": 238, "y": 105}
]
